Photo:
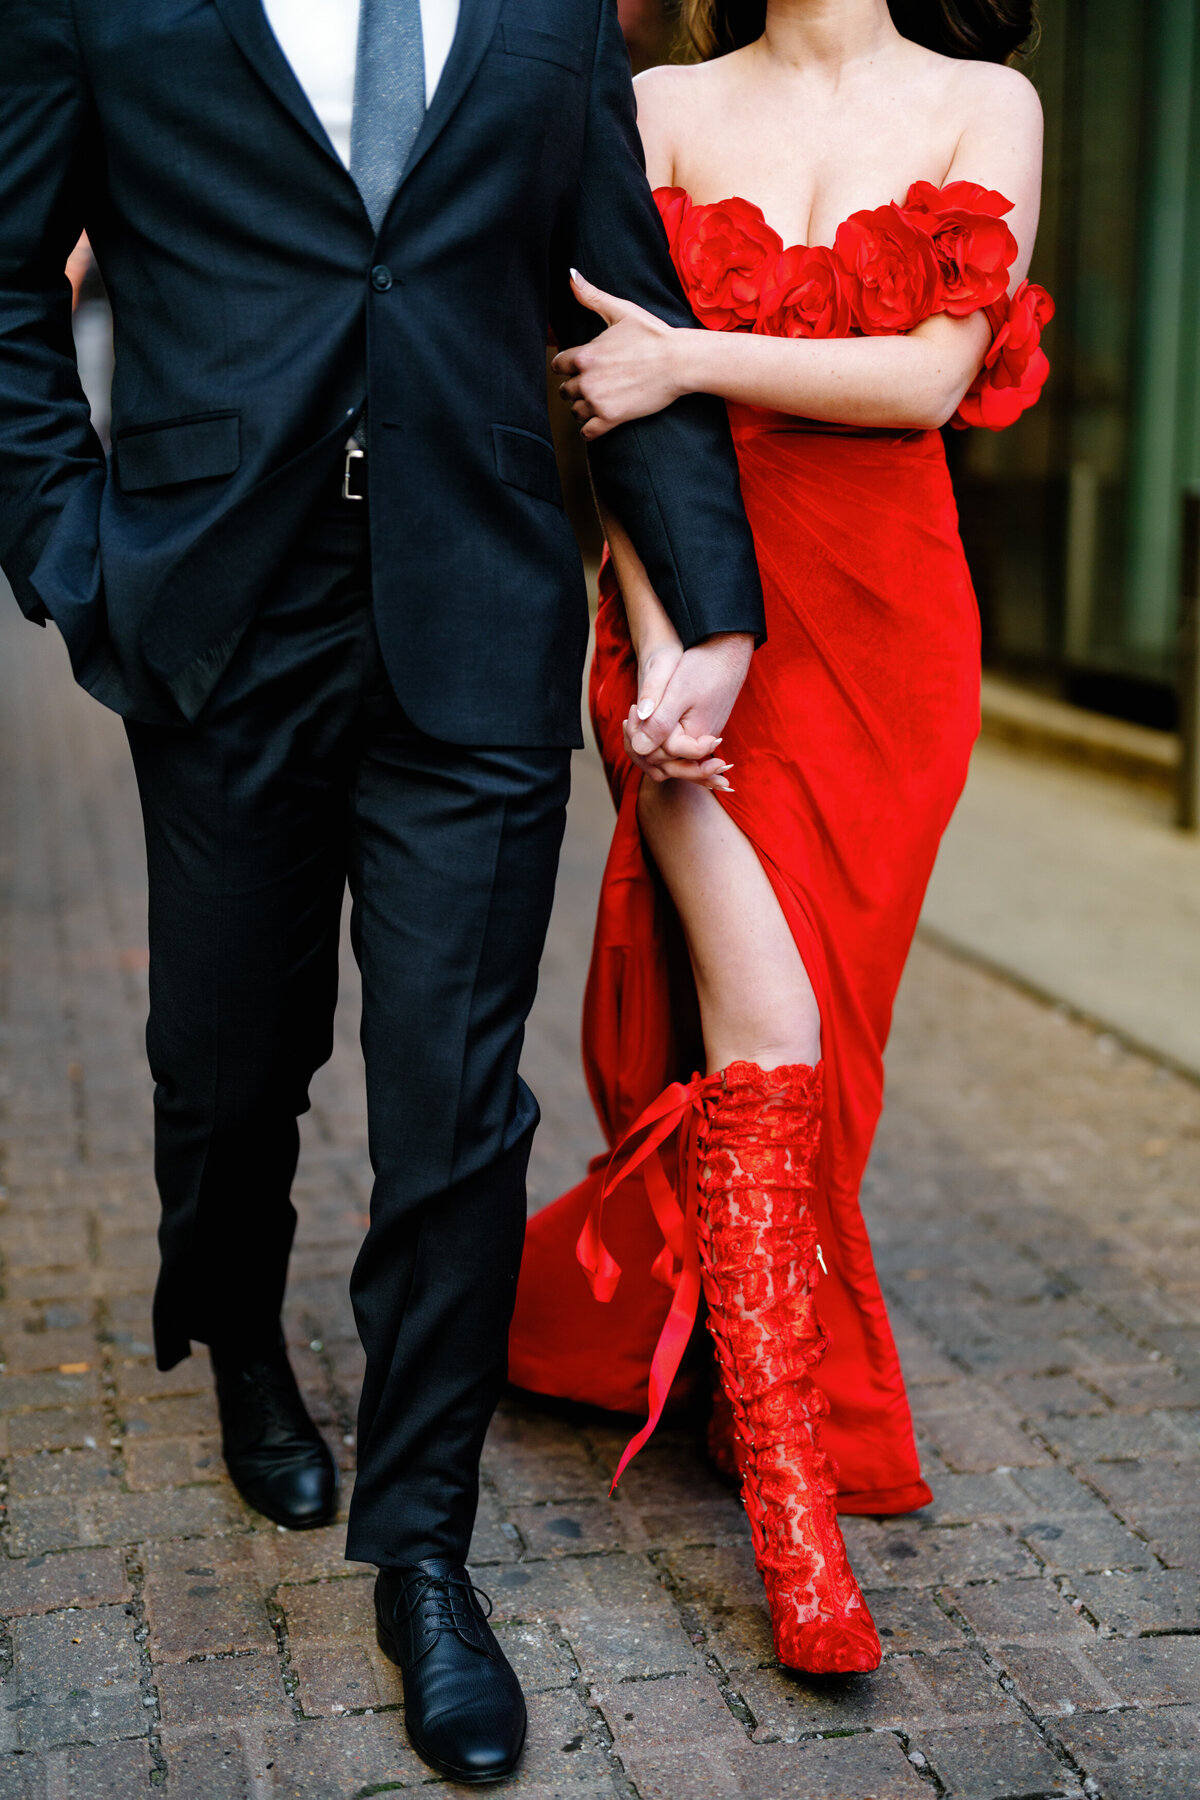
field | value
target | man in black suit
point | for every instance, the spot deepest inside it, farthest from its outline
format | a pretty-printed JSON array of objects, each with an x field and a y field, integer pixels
[{"x": 327, "y": 580}]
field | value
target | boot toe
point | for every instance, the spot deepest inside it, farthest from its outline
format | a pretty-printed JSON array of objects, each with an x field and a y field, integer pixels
[{"x": 830, "y": 1647}]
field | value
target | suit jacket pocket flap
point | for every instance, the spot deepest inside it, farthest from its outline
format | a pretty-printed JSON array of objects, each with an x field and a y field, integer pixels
[
  {"x": 195, "y": 449},
  {"x": 527, "y": 461},
  {"x": 547, "y": 46}
]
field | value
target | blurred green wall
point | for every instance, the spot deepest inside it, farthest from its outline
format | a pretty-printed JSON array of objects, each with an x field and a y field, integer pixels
[{"x": 1072, "y": 519}]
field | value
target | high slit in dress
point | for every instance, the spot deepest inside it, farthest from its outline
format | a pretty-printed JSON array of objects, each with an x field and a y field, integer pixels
[{"x": 850, "y": 741}]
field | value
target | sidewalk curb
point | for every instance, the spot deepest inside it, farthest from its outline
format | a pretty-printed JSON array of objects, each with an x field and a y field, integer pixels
[
  {"x": 1052, "y": 727},
  {"x": 977, "y": 959}
]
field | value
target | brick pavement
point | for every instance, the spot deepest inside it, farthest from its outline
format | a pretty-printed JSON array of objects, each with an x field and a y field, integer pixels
[{"x": 1034, "y": 1206}]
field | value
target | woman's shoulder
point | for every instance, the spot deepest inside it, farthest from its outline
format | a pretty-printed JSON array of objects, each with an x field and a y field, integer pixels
[
  {"x": 670, "y": 87},
  {"x": 994, "y": 84},
  {"x": 972, "y": 108},
  {"x": 680, "y": 90},
  {"x": 670, "y": 98},
  {"x": 989, "y": 91}
]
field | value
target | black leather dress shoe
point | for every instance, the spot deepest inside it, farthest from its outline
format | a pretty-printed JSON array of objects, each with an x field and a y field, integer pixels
[
  {"x": 463, "y": 1706},
  {"x": 277, "y": 1458}
]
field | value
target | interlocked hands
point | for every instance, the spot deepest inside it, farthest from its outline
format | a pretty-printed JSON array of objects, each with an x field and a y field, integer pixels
[{"x": 684, "y": 698}]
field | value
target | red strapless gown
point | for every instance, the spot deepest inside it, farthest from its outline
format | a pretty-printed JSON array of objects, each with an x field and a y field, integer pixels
[{"x": 850, "y": 742}]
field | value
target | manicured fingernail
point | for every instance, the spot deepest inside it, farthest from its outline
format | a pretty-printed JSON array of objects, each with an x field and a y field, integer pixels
[
  {"x": 575, "y": 275},
  {"x": 645, "y": 708}
]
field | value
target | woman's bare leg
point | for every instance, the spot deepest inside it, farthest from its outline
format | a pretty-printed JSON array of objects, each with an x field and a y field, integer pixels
[{"x": 756, "y": 1001}]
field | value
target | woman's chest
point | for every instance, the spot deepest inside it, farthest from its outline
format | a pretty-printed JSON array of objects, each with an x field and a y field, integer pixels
[{"x": 809, "y": 170}]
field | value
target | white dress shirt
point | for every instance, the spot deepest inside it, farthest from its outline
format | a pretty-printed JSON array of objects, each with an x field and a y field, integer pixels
[{"x": 320, "y": 38}]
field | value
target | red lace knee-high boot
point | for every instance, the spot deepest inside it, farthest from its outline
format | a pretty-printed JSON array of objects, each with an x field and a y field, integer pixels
[
  {"x": 721, "y": 1444},
  {"x": 759, "y": 1259}
]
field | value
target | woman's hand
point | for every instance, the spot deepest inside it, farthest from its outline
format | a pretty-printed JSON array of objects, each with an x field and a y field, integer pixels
[
  {"x": 680, "y": 757},
  {"x": 630, "y": 370}
]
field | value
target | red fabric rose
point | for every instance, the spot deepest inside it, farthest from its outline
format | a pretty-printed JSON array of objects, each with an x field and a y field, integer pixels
[
  {"x": 964, "y": 196},
  {"x": 894, "y": 272},
  {"x": 805, "y": 296},
  {"x": 1015, "y": 369},
  {"x": 672, "y": 203},
  {"x": 974, "y": 247},
  {"x": 722, "y": 252}
]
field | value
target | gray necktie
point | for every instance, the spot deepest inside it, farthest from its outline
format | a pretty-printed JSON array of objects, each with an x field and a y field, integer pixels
[{"x": 389, "y": 98}]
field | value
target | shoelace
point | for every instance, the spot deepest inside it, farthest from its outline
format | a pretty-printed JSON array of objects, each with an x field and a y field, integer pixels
[
  {"x": 273, "y": 1397},
  {"x": 443, "y": 1603}
]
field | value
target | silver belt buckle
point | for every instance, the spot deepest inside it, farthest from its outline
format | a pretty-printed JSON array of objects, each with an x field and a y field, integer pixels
[{"x": 354, "y": 454}]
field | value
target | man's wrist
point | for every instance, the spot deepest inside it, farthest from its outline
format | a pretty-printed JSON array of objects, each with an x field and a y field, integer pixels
[{"x": 737, "y": 644}]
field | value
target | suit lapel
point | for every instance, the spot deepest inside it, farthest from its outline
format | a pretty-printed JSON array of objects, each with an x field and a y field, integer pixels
[
  {"x": 246, "y": 23},
  {"x": 476, "y": 23}
]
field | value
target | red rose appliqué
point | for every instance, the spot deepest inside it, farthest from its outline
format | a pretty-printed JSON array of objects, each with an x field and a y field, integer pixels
[
  {"x": 974, "y": 247},
  {"x": 722, "y": 252},
  {"x": 894, "y": 271},
  {"x": 805, "y": 295},
  {"x": 1015, "y": 369},
  {"x": 672, "y": 203}
]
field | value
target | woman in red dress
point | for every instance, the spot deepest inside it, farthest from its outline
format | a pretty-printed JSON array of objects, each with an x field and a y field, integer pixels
[{"x": 757, "y": 927}]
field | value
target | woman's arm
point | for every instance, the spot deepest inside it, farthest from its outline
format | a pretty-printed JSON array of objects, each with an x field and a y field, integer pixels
[
  {"x": 911, "y": 381},
  {"x": 639, "y": 365},
  {"x": 651, "y": 632},
  {"x": 660, "y": 656}
]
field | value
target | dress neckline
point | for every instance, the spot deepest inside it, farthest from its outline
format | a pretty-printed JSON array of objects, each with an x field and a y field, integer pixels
[
  {"x": 941, "y": 249},
  {"x": 741, "y": 200}
]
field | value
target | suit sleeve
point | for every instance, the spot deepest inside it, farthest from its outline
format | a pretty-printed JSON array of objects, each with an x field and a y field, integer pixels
[
  {"x": 672, "y": 478},
  {"x": 48, "y": 450}
]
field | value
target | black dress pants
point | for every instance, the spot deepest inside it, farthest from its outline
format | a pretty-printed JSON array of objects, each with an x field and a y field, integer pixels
[{"x": 302, "y": 773}]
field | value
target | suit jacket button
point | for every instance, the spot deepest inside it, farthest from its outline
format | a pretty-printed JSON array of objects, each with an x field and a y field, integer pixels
[{"x": 381, "y": 278}]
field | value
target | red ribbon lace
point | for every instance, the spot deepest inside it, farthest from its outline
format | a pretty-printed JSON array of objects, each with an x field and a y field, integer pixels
[{"x": 677, "y": 1265}]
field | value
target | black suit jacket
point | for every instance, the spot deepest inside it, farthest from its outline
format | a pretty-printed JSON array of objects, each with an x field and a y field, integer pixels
[{"x": 254, "y": 308}]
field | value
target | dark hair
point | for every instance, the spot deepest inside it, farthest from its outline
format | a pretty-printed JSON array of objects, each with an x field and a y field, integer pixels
[{"x": 984, "y": 30}]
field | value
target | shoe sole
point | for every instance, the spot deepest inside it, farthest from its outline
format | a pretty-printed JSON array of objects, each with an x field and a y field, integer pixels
[{"x": 454, "y": 1773}]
